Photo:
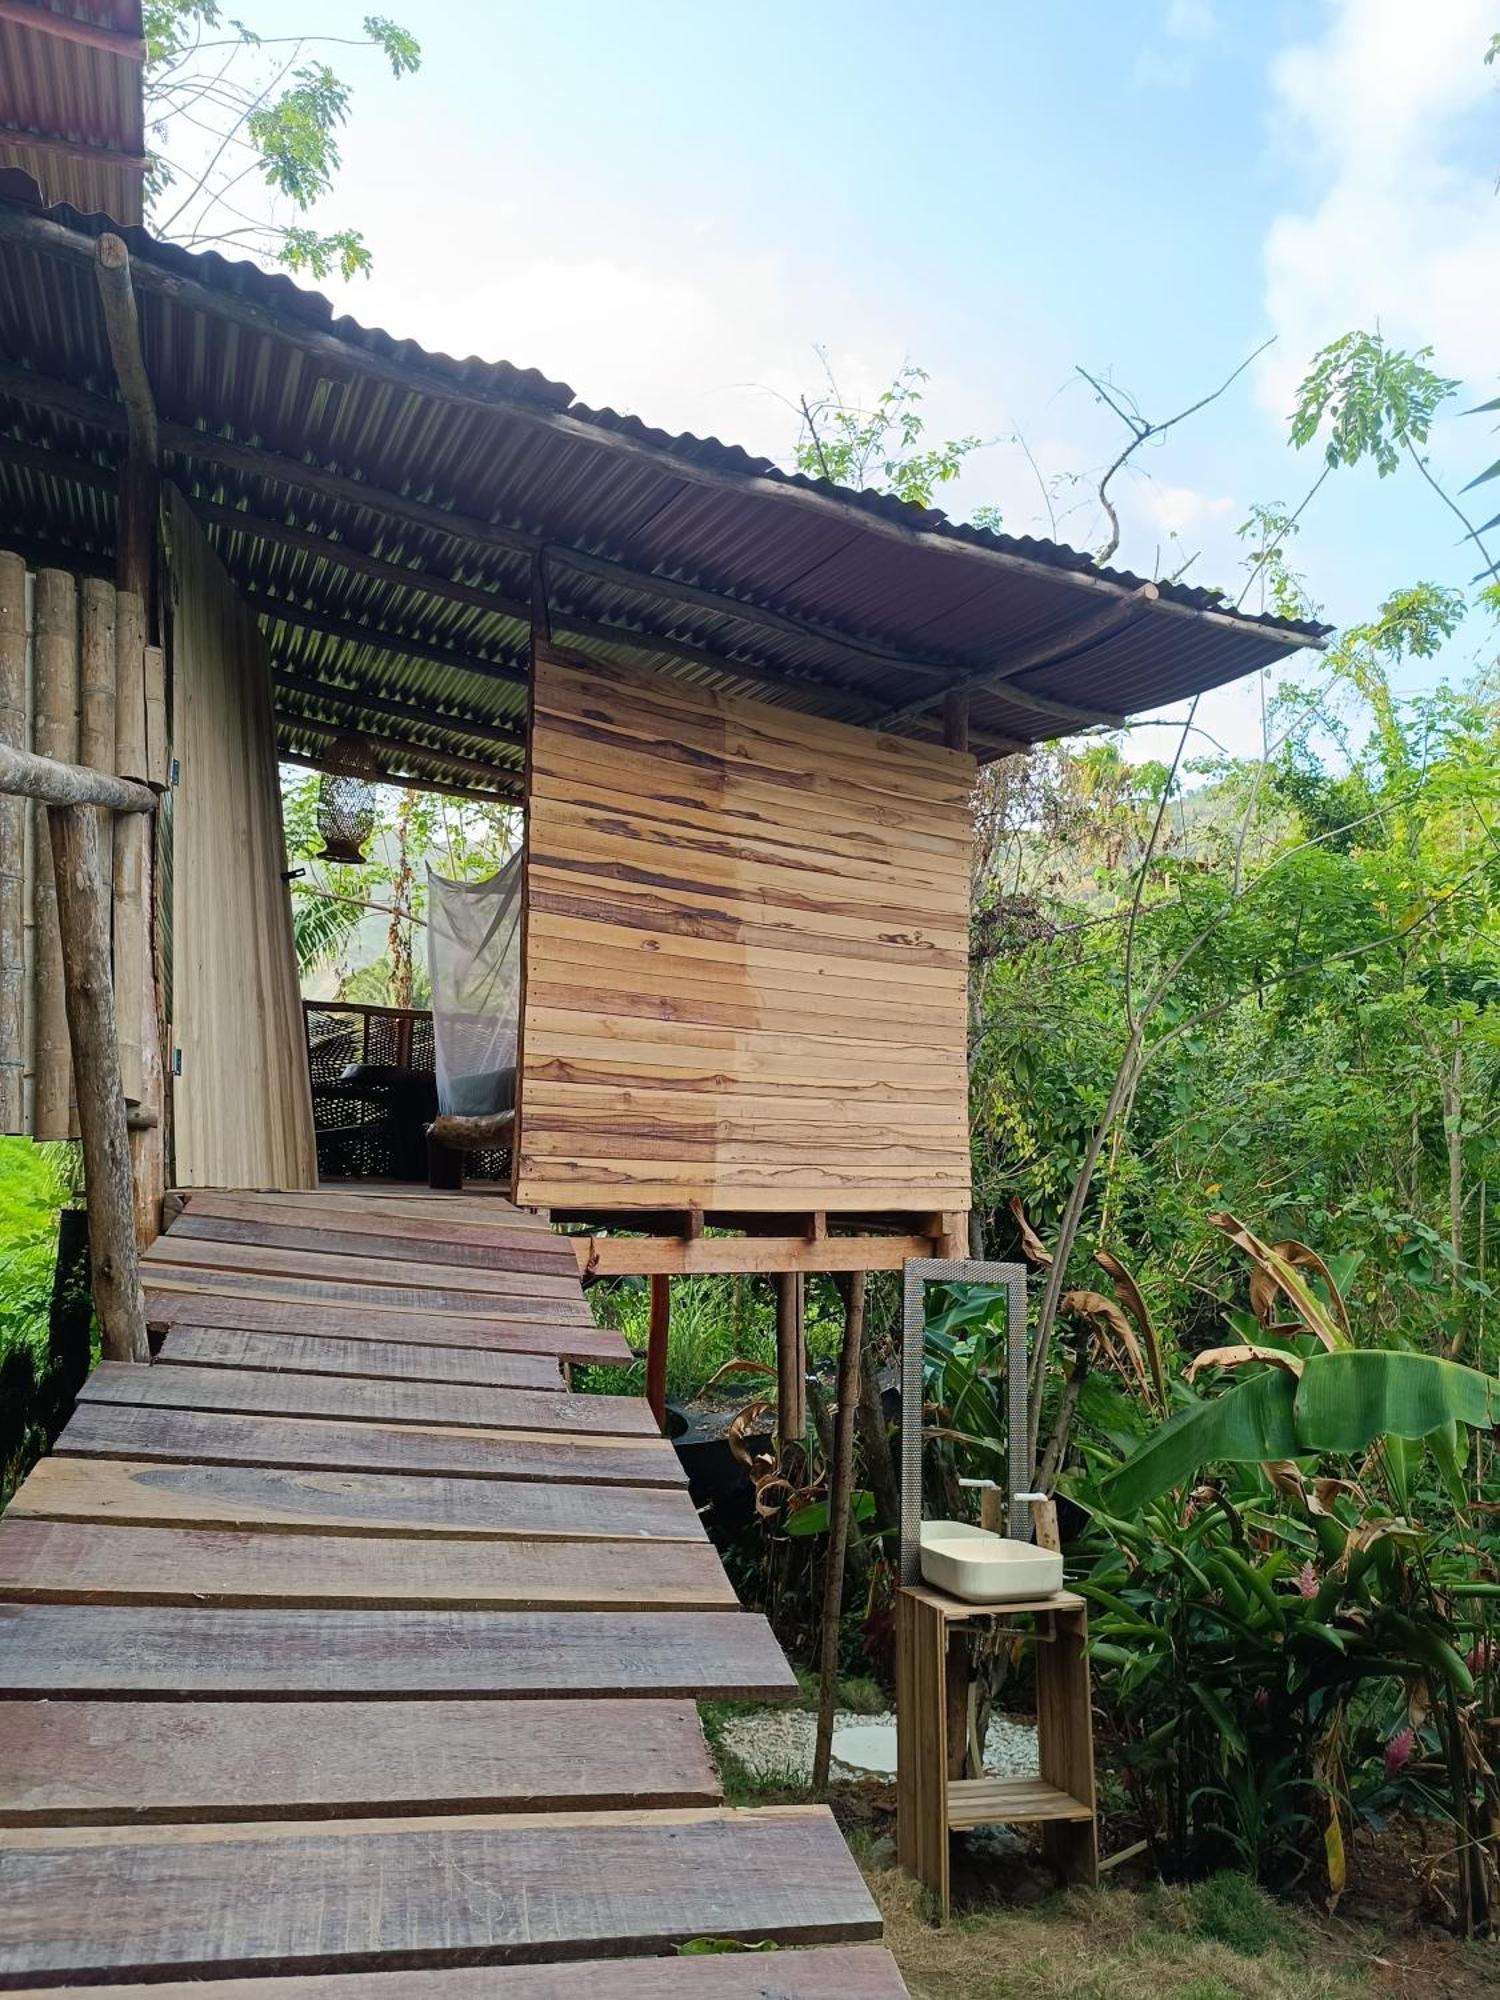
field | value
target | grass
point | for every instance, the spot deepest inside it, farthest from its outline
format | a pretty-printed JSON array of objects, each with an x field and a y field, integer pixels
[
  {"x": 1220, "y": 1940},
  {"x": 35, "y": 1182}
]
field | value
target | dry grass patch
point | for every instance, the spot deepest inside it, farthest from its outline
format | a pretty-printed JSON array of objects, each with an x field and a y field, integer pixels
[{"x": 1220, "y": 1941}]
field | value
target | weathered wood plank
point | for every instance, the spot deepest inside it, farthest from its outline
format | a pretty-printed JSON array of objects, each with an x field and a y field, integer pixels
[
  {"x": 397, "y": 1361},
  {"x": 200, "y": 1900},
  {"x": 382, "y": 1241},
  {"x": 66, "y": 1562},
  {"x": 550, "y": 1320},
  {"x": 209, "y": 1437},
  {"x": 157, "y": 1652},
  {"x": 80, "y": 1763},
  {"x": 348, "y": 1503},
  {"x": 828, "y": 1972},
  {"x": 180, "y": 1303},
  {"x": 435, "y": 1215},
  {"x": 357, "y": 1400},
  {"x": 533, "y": 1292}
]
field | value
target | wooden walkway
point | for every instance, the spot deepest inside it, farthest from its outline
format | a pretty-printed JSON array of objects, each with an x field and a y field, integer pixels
[{"x": 346, "y": 1652}]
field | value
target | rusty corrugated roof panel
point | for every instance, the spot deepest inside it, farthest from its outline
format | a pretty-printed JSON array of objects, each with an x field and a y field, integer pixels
[
  {"x": 712, "y": 565},
  {"x": 71, "y": 108}
]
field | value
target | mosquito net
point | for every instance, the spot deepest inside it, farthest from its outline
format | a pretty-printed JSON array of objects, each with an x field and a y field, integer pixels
[{"x": 474, "y": 963}]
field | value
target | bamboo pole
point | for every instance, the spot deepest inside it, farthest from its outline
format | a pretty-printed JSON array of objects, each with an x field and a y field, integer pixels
[
  {"x": 55, "y": 675},
  {"x": 128, "y": 885},
  {"x": 791, "y": 1360},
  {"x": 128, "y": 878},
  {"x": 140, "y": 476},
  {"x": 13, "y": 816},
  {"x": 130, "y": 759},
  {"x": 96, "y": 693},
  {"x": 83, "y": 913},
  {"x": 840, "y": 1482},
  {"x": 51, "y": 782},
  {"x": 158, "y": 749}
]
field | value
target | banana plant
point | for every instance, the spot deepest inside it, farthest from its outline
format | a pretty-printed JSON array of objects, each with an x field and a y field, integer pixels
[{"x": 1308, "y": 1390}]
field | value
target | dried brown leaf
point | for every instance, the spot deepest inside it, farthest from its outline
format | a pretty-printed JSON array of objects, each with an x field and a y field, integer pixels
[
  {"x": 1033, "y": 1249},
  {"x": 1233, "y": 1357},
  {"x": 1111, "y": 1323},
  {"x": 1135, "y": 1305}
]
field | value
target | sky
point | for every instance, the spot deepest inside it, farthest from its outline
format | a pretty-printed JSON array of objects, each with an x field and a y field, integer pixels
[{"x": 673, "y": 207}]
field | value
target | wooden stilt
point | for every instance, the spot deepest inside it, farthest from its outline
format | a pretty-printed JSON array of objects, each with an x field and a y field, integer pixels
[
  {"x": 791, "y": 1359},
  {"x": 83, "y": 922},
  {"x": 656, "y": 1347},
  {"x": 841, "y": 1480},
  {"x": 13, "y": 815}
]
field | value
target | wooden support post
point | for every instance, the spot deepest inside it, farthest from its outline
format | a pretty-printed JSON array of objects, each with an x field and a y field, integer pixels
[
  {"x": 1065, "y": 1745},
  {"x": 956, "y": 718},
  {"x": 13, "y": 815},
  {"x": 656, "y": 1347},
  {"x": 55, "y": 733},
  {"x": 791, "y": 1360},
  {"x": 840, "y": 1496},
  {"x": 140, "y": 477},
  {"x": 83, "y": 914}
]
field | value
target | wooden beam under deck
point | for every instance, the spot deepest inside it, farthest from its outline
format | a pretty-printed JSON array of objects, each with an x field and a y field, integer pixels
[{"x": 601, "y": 1256}]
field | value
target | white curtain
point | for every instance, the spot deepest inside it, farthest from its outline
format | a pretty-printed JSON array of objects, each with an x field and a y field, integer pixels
[{"x": 474, "y": 964}]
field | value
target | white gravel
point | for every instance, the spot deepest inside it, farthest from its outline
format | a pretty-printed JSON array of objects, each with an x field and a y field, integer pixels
[{"x": 778, "y": 1743}]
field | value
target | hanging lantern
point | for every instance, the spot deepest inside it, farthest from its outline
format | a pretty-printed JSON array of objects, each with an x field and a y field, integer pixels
[{"x": 346, "y": 800}]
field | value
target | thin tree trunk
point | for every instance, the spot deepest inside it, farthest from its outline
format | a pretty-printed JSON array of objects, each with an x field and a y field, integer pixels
[
  {"x": 839, "y": 1492},
  {"x": 83, "y": 913}
]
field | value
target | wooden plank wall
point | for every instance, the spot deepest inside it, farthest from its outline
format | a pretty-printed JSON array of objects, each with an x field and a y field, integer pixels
[
  {"x": 242, "y": 1107},
  {"x": 746, "y": 955}
]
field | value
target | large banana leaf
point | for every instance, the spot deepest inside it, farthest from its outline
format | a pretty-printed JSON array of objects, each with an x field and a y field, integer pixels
[
  {"x": 1244, "y": 1425},
  {"x": 1346, "y": 1401},
  {"x": 1343, "y": 1402}
]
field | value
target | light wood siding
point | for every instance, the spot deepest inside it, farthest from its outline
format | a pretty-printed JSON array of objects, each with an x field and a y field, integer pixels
[
  {"x": 745, "y": 955},
  {"x": 242, "y": 1108}
]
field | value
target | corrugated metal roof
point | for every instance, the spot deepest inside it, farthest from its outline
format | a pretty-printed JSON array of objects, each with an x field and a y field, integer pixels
[
  {"x": 445, "y": 477},
  {"x": 71, "y": 109}
]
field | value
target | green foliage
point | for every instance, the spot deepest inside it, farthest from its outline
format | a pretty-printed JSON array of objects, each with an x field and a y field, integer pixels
[
  {"x": 226, "y": 116},
  {"x": 35, "y": 1183},
  {"x": 414, "y": 830},
  {"x": 882, "y": 445},
  {"x": 1374, "y": 400}
]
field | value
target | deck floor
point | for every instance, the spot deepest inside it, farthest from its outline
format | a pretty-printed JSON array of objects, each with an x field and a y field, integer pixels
[{"x": 347, "y": 1650}]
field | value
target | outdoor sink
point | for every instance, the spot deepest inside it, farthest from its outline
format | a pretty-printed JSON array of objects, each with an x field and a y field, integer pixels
[{"x": 985, "y": 1568}]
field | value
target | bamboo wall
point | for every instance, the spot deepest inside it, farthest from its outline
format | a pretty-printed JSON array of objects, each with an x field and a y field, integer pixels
[
  {"x": 78, "y": 683},
  {"x": 242, "y": 1107},
  {"x": 746, "y": 955}
]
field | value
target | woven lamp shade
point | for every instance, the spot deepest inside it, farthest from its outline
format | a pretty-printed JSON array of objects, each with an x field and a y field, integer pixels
[{"x": 346, "y": 801}]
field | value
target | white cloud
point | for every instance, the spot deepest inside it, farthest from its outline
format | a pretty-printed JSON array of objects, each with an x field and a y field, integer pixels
[
  {"x": 1404, "y": 227},
  {"x": 1187, "y": 27}
]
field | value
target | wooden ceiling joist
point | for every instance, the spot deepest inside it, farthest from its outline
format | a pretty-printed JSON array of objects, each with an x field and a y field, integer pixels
[
  {"x": 367, "y": 701},
  {"x": 513, "y": 672},
  {"x": 487, "y": 779}
]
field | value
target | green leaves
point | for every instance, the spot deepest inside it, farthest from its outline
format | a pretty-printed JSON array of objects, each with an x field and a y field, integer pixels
[
  {"x": 1244, "y": 1425},
  {"x": 1374, "y": 400},
  {"x": 1343, "y": 1402}
]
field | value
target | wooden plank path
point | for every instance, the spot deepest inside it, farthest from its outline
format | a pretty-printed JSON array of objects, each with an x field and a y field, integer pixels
[{"x": 348, "y": 1651}]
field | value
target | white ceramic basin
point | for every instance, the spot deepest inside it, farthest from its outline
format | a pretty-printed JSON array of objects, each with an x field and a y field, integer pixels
[{"x": 985, "y": 1568}]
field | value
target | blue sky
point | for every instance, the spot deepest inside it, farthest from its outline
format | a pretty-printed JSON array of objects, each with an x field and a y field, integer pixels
[{"x": 669, "y": 205}]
